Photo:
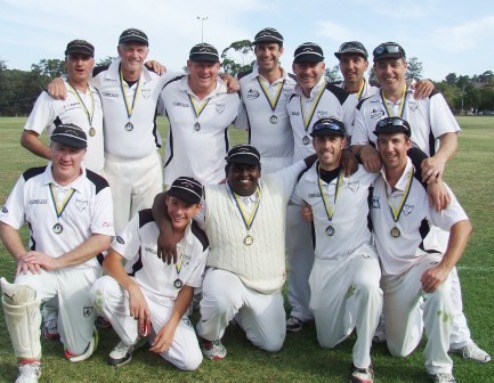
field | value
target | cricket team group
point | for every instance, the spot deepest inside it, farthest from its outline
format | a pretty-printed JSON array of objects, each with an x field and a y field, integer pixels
[{"x": 351, "y": 197}]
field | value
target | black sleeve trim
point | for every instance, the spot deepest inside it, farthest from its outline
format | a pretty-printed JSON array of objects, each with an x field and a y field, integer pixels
[
  {"x": 359, "y": 105},
  {"x": 33, "y": 172},
  {"x": 97, "y": 180},
  {"x": 200, "y": 235},
  {"x": 340, "y": 94},
  {"x": 98, "y": 69},
  {"x": 145, "y": 216},
  {"x": 243, "y": 74},
  {"x": 173, "y": 80}
]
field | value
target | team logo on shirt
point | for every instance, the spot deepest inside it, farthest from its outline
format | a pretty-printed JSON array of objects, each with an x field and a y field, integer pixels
[
  {"x": 146, "y": 93},
  {"x": 314, "y": 195},
  {"x": 120, "y": 240},
  {"x": 252, "y": 94},
  {"x": 407, "y": 209},
  {"x": 376, "y": 204},
  {"x": 87, "y": 311},
  {"x": 182, "y": 104},
  {"x": 295, "y": 113},
  {"x": 110, "y": 95},
  {"x": 5, "y": 210},
  {"x": 80, "y": 204},
  {"x": 354, "y": 186},
  {"x": 376, "y": 113},
  {"x": 220, "y": 108},
  {"x": 412, "y": 105},
  {"x": 37, "y": 201}
]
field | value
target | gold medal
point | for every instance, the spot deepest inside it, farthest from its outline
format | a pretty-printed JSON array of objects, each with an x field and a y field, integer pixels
[
  {"x": 92, "y": 132},
  {"x": 248, "y": 240},
  {"x": 395, "y": 232}
]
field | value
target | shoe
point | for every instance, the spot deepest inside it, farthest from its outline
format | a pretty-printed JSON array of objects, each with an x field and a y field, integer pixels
[
  {"x": 442, "y": 378},
  {"x": 29, "y": 372},
  {"x": 362, "y": 375},
  {"x": 213, "y": 350},
  {"x": 293, "y": 324},
  {"x": 50, "y": 330},
  {"x": 91, "y": 348},
  {"x": 473, "y": 352},
  {"x": 380, "y": 333},
  {"x": 122, "y": 353},
  {"x": 102, "y": 322}
]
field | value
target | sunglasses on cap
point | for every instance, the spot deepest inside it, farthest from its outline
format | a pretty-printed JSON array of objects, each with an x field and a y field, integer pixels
[
  {"x": 350, "y": 45},
  {"x": 390, "y": 124},
  {"x": 328, "y": 125},
  {"x": 388, "y": 48}
]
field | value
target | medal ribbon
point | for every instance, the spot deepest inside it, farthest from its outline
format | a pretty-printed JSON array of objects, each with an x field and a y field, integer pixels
[
  {"x": 178, "y": 265},
  {"x": 397, "y": 212},
  {"x": 129, "y": 108},
  {"x": 361, "y": 90},
  {"x": 318, "y": 98},
  {"x": 402, "y": 103},
  {"x": 272, "y": 103},
  {"x": 329, "y": 212},
  {"x": 83, "y": 105},
  {"x": 198, "y": 108},
  {"x": 248, "y": 220},
  {"x": 59, "y": 209}
]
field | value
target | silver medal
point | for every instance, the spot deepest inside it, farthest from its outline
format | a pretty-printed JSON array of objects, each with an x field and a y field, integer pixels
[
  {"x": 197, "y": 126},
  {"x": 57, "y": 228},
  {"x": 306, "y": 140},
  {"x": 273, "y": 119},
  {"x": 129, "y": 127},
  {"x": 330, "y": 231},
  {"x": 178, "y": 283}
]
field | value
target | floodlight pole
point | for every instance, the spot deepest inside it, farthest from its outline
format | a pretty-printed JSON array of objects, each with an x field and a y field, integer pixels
[{"x": 202, "y": 20}]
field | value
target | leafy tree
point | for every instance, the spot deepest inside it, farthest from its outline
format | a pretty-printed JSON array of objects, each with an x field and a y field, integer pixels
[
  {"x": 414, "y": 68},
  {"x": 106, "y": 61},
  {"x": 333, "y": 74},
  {"x": 49, "y": 67},
  {"x": 238, "y": 57},
  {"x": 486, "y": 102},
  {"x": 451, "y": 79}
]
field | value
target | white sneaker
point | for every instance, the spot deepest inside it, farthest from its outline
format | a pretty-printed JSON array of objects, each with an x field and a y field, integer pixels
[
  {"x": 91, "y": 348},
  {"x": 29, "y": 373},
  {"x": 122, "y": 353},
  {"x": 473, "y": 352},
  {"x": 213, "y": 349},
  {"x": 443, "y": 378}
]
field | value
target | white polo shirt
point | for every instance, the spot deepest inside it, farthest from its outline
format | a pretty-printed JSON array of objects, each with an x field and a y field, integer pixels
[
  {"x": 263, "y": 113},
  {"x": 349, "y": 220},
  {"x": 429, "y": 119},
  {"x": 48, "y": 113},
  {"x": 143, "y": 137},
  {"x": 138, "y": 245},
  {"x": 198, "y": 140},
  {"x": 398, "y": 254},
  {"x": 88, "y": 211},
  {"x": 329, "y": 104}
]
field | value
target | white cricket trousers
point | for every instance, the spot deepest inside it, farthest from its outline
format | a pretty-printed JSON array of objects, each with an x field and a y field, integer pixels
[
  {"x": 405, "y": 315},
  {"x": 300, "y": 251},
  {"x": 134, "y": 184},
  {"x": 112, "y": 301},
  {"x": 76, "y": 314},
  {"x": 345, "y": 294},
  {"x": 261, "y": 316}
]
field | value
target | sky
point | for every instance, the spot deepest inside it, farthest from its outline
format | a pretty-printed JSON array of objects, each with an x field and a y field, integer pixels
[{"x": 447, "y": 36}]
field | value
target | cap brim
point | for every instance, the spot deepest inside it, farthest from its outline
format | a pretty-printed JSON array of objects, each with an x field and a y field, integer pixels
[
  {"x": 184, "y": 195},
  {"x": 389, "y": 56},
  {"x": 327, "y": 132},
  {"x": 80, "y": 51},
  {"x": 244, "y": 159},
  {"x": 204, "y": 58},
  {"x": 70, "y": 141},
  {"x": 267, "y": 40},
  {"x": 351, "y": 51},
  {"x": 308, "y": 59},
  {"x": 133, "y": 39},
  {"x": 392, "y": 130}
]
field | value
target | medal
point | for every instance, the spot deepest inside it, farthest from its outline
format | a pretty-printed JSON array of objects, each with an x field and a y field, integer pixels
[
  {"x": 92, "y": 132},
  {"x": 248, "y": 240},
  {"x": 129, "y": 108},
  {"x": 306, "y": 140},
  {"x": 57, "y": 228},
  {"x": 395, "y": 232},
  {"x": 89, "y": 115},
  {"x": 197, "y": 126},
  {"x": 178, "y": 283},
  {"x": 330, "y": 231},
  {"x": 273, "y": 119},
  {"x": 129, "y": 127},
  {"x": 272, "y": 101}
]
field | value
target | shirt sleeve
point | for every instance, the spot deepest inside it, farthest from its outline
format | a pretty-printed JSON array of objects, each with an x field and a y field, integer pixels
[
  {"x": 197, "y": 276},
  {"x": 102, "y": 218},
  {"x": 359, "y": 129},
  {"x": 128, "y": 242},
  {"x": 446, "y": 218},
  {"x": 42, "y": 114},
  {"x": 442, "y": 120},
  {"x": 242, "y": 121},
  {"x": 288, "y": 177},
  {"x": 13, "y": 212}
]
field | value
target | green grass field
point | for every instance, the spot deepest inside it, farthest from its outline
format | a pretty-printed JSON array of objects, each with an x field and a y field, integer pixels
[{"x": 470, "y": 175}]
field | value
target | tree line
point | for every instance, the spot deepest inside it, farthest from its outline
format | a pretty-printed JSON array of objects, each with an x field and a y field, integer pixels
[{"x": 465, "y": 94}]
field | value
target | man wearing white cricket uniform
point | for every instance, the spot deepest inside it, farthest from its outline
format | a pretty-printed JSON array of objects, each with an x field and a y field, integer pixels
[
  {"x": 200, "y": 111},
  {"x": 148, "y": 292},
  {"x": 265, "y": 91},
  {"x": 431, "y": 120},
  {"x": 416, "y": 283},
  {"x": 344, "y": 281},
  {"x": 69, "y": 213},
  {"x": 312, "y": 100},
  {"x": 81, "y": 107}
]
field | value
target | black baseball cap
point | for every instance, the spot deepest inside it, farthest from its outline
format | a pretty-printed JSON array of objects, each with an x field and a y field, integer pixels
[
  {"x": 268, "y": 35},
  {"x": 353, "y": 47},
  {"x": 308, "y": 52},
  {"x": 133, "y": 35},
  {"x": 389, "y": 50},
  {"x": 390, "y": 125},
  {"x": 70, "y": 135},
  {"x": 81, "y": 47},
  {"x": 187, "y": 189},
  {"x": 328, "y": 127},
  {"x": 243, "y": 154},
  {"x": 204, "y": 52}
]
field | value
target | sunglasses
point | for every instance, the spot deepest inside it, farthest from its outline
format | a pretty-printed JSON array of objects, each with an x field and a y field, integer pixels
[
  {"x": 393, "y": 121},
  {"x": 333, "y": 125},
  {"x": 388, "y": 48},
  {"x": 351, "y": 45}
]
